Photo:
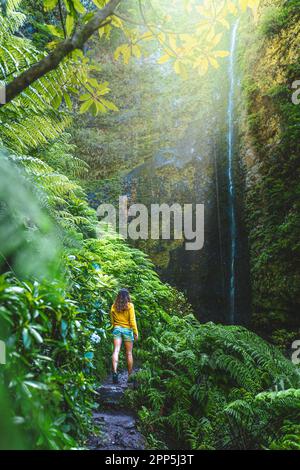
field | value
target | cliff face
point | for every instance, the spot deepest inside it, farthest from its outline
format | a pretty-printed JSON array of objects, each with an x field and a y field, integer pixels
[
  {"x": 169, "y": 143},
  {"x": 270, "y": 149}
]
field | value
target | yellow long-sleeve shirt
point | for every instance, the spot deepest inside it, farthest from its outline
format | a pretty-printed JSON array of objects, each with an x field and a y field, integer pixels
[{"x": 126, "y": 318}]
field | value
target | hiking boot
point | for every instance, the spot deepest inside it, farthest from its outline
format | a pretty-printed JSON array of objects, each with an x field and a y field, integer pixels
[{"x": 115, "y": 378}]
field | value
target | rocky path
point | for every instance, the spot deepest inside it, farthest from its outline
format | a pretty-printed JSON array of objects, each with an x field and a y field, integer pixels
[{"x": 117, "y": 426}]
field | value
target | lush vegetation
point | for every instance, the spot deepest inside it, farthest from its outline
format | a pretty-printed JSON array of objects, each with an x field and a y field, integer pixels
[
  {"x": 272, "y": 161},
  {"x": 216, "y": 387},
  {"x": 200, "y": 386},
  {"x": 212, "y": 385},
  {"x": 56, "y": 325}
]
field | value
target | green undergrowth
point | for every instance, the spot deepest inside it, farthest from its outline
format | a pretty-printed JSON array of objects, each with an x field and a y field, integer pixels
[{"x": 215, "y": 387}]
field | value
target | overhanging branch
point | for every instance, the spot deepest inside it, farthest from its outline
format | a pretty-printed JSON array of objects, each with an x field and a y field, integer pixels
[{"x": 51, "y": 61}]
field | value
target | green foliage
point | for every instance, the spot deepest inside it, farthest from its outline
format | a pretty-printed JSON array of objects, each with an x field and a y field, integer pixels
[
  {"x": 278, "y": 17},
  {"x": 30, "y": 120},
  {"x": 26, "y": 230},
  {"x": 50, "y": 394},
  {"x": 57, "y": 337},
  {"x": 63, "y": 199},
  {"x": 56, "y": 326},
  {"x": 288, "y": 439},
  {"x": 48, "y": 384},
  {"x": 274, "y": 21},
  {"x": 48, "y": 334},
  {"x": 60, "y": 155},
  {"x": 33, "y": 117},
  {"x": 201, "y": 387}
]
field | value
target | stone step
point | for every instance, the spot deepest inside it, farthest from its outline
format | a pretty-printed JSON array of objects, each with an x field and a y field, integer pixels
[
  {"x": 111, "y": 395},
  {"x": 117, "y": 428},
  {"x": 117, "y": 432},
  {"x": 125, "y": 420}
]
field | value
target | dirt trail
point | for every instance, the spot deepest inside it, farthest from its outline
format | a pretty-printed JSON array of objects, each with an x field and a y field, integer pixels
[{"x": 117, "y": 426}]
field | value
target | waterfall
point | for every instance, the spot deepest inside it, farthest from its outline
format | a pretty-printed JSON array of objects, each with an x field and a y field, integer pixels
[{"x": 232, "y": 214}]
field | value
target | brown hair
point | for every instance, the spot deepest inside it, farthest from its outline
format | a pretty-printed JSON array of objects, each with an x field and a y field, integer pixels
[{"x": 122, "y": 300}]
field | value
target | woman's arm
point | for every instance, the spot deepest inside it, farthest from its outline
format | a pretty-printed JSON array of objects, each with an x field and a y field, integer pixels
[{"x": 132, "y": 320}]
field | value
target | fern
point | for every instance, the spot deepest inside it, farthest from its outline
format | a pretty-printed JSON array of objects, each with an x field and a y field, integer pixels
[
  {"x": 264, "y": 413},
  {"x": 218, "y": 376},
  {"x": 32, "y": 118},
  {"x": 25, "y": 227},
  {"x": 63, "y": 198}
]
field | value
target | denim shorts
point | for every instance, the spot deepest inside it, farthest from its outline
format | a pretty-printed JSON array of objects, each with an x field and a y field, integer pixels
[{"x": 125, "y": 333}]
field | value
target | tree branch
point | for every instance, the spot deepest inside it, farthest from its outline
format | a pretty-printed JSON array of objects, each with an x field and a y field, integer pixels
[{"x": 51, "y": 61}]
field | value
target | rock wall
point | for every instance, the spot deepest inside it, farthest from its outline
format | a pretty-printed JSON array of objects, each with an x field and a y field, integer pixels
[{"x": 270, "y": 155}]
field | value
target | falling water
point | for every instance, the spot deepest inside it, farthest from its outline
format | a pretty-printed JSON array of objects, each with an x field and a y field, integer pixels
[{"x": 232, "y": 214}]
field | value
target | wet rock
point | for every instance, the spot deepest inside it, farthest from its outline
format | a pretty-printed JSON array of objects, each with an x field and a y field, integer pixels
[{"x": 117, "y": 426}]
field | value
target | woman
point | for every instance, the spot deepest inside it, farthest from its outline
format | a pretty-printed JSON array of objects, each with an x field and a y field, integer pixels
[{"x": 124, "y": 328}]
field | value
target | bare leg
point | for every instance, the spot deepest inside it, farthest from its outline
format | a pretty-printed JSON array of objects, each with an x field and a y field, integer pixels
[
  {"x": 115, "y": 356},
  {"x": 129, "y": 357}
]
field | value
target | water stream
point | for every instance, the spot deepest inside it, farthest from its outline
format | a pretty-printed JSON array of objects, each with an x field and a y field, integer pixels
[{"x": 232, "y": 212}]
